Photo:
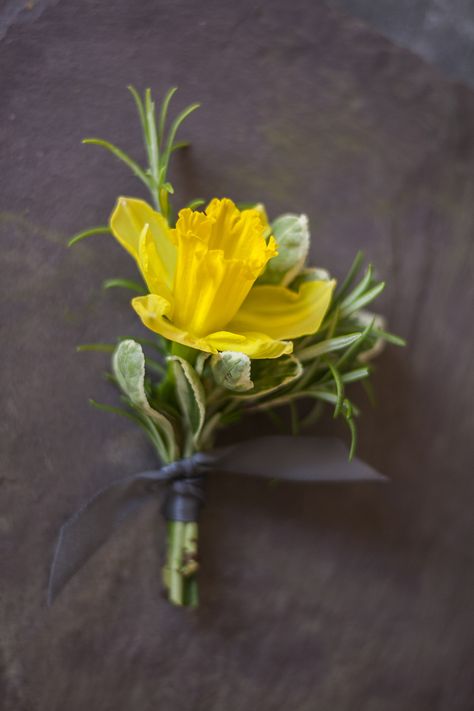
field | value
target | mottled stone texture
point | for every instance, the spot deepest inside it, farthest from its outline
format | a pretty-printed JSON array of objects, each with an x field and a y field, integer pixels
[
  {"x": 441, "y": 31},
  {"x": 313, "y": 598}
]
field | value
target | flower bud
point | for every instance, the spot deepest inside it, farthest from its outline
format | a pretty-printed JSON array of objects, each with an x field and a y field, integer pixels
[
  {"x": 232, "y": 370},
  {"x": 292, "y": 236}
]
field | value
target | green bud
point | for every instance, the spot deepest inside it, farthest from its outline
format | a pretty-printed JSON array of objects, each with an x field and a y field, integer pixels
[
  {"x": 292, "y": 236},
  {"x": 231, "y": 370}
]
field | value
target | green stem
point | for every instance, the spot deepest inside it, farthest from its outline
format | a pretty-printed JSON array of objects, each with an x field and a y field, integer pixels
[
  {"x": 163, "y": 201},
  {"x": 180, "y": 569},
  {"x": 179, "y": 572},
  {"x": 186, "y": 352},
  {"x": 295, "y": 425}
]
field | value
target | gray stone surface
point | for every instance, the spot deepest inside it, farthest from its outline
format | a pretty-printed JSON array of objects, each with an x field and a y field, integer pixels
[
  {"x": 335, "y": 599},
  {"x": 440, "y": 31}
]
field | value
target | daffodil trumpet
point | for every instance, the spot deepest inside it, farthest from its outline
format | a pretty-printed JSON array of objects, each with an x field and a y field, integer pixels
[{"x": 236, "y": 322}]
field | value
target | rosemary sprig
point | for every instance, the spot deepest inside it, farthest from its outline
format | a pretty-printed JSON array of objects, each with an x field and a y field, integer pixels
[{"x": 159, "y": 146}]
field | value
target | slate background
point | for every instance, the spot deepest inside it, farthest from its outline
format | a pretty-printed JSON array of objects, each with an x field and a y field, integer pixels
[
  {"x": 337, "y": 599},
  {"x": 440, "y": 31}
]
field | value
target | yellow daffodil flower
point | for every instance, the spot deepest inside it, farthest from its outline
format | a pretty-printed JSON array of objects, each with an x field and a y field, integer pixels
[{"x": 201, "y": 279}]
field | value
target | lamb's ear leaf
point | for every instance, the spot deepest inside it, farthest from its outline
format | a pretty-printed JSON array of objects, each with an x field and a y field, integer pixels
[
  {"x": 231, "y": 370},
  {"x": 190, "y": 393},
  {"x": 270, "y": 375},
  {"x": 128, "y": 364},
  {"x": 292, "y": 236},
  {"x": 201, "y": 362}
]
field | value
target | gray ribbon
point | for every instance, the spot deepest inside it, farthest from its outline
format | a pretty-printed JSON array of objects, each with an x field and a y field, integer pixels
[{"x": 284, "y": 458}]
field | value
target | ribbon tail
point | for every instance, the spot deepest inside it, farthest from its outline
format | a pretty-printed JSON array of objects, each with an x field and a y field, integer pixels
[
  {"x": 291, "y": 458},
  {"x": 92, "y": 525}
]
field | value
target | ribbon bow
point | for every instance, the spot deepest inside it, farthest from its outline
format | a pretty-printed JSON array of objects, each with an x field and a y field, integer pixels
[{"x": 280, "y": 457}]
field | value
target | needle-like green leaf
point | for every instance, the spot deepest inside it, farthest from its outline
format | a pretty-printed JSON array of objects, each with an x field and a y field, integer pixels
[
  {"x": 141, "y": 111},
  {"x": 154, "y": 149},
  {"x": 118, "y": 153},
  {"x": 173, "y": 130},
  {"x": 339, "y": 388},
  {"x": 88, "y": 233},
  {"x": 331, "y": 344},
  {"x": 195, "y": 203},
  {"x": 354, "y": 347},
  {"x": 351, "y": 275},
  {"x": 362, "y": 286},
  {"x": 357, "y": 374},
  {"x": 164, "y": 111},
  {"x": 180, "y": 144},
  {"x": 363, "y": 300},
  {"x": 101, "y": 347},
  {"x": 124, "y": 284},
  {"x": 389, "y": 337}
]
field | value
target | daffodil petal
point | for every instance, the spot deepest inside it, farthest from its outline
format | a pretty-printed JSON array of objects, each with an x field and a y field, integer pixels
[
  {"x": 209, "y": 289},
  {"x": 127, "y": 222},
  {"x": 239, "y": 234},
  {"x": 220, "y": 255},
  {"x": 254, "y": 345},
  {"x": 282, "y": 313},
  {"x": 151, "y": 266},
  {"x": 259, "y": 208},
  {"x": 154, "y": 310}
]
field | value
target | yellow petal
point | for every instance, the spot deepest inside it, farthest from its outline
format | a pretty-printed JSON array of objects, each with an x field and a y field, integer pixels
[
  {"x": 209, "y": 289},
  {"x": 239, "y": 234},
  {"x": 151, "y": 266},
  {"x": 192, "y": 223},
  {"x": 154, "y": 310},
  {"x": 220, "y": 255},
  {"x": 282, "y": 313},
  {"x": 259, "y": 208},
  {"x": 254, "y": 345},
  {"x": 127, "y": 222}
]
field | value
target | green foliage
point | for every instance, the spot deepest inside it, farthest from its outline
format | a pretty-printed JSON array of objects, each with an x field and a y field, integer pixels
[
  {"x": 128, "y": 364},
  {"x": 88, "y": 233},
  {"x": 325, "y": 363},
  {"x": 191, "y": 398},
  {"x": 159, "y": 146},
  {"x": 327, "y": 346},
  {"x": 271, "y": 375},
  {"x": 134, "y": 286},
  {"x": 337, "y": 354}
]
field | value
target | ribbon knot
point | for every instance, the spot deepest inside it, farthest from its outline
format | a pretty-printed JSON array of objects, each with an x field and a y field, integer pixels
[
  {"x": 185, "y": 489},
  {"x": 188, "y": 468}
]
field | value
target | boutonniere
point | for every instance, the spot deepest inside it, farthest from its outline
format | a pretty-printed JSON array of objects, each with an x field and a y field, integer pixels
[{"x": 235, "y": 322}]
